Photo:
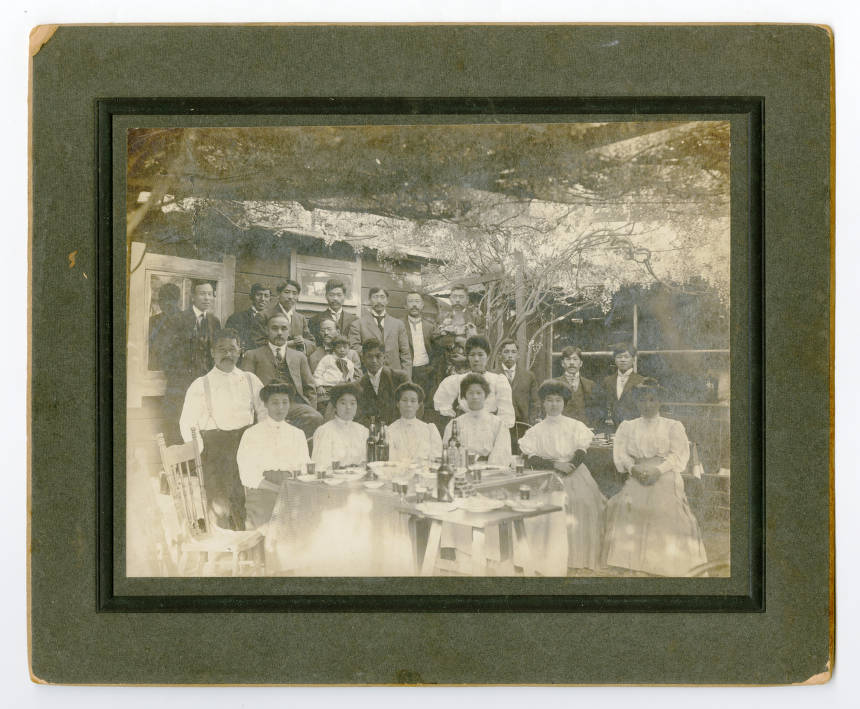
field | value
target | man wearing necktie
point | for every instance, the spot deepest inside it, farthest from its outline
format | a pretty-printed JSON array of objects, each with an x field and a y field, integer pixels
[
  {"x": 335, "y": 294},
  {"x": 377, "y": 324},
  {"x": 298, "y": 335},
  {"x": 187, "y": 352},
  {"x": 618, "y": 387},
  {"x": 524, "y": 390},
  {"x": 276, "y": 361}
]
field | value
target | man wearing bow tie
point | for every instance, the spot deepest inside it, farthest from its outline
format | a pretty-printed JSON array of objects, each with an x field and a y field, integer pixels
[{"x": 377, "y": 324}]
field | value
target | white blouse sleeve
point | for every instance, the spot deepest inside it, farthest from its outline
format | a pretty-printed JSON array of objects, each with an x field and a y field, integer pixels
[
  {"x": 530, "y": 442},
  {"x": 620, "y": 455},
  {"x": 582, "y": 437},
  {"x": 505, "y": 401},
  {"x": 322, "y": 454},
  {"x": 435, "y": 440},
  {"x": 501, "y": 452},
  {"x": 679, "y": 449},
  {"x": 448, "y": 391},
  {"x": 248, "y": 459}
]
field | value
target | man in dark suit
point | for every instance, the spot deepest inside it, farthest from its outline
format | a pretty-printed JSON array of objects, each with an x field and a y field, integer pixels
[
  {"x": 586, "y": 402},
  {"x": 377, "y": 386},
  {"x": 524, "y": 391},
  {"x": 376, "y": 324},
  {"x": 424, "y": 353},
  {"x": 618, "y": 387},
  {"x": 298, "y": 335},
  {"x": 335, "y": 293},
  {"x": 168, "y": 302},
  {"x": 251, "y": 323},
  {"x": 187, "y": 352},
  {"x": 276, "y": 361}
]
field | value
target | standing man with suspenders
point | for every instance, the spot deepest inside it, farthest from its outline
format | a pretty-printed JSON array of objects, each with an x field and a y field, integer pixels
[{"x": 221, "y": 405}]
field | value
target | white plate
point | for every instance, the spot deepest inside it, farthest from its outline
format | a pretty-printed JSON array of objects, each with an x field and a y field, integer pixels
[
  {"x": 524, "y": 505},
  {"x": 333, "y": 481},
  {"x": 347, "y": 475},
  {"x": 435, "y": 508},
  {"x": 307, "y": 478},
  {"x": 478, "y": 504},
  {"x": 374, "y": 484}
]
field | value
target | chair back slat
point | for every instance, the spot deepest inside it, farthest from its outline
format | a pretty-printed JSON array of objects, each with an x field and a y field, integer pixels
[{"x": 185, "y": 478}]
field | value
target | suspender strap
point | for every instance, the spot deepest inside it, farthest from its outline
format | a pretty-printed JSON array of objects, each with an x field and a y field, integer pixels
[
  {"x": 207, "y": 394},
  {"x": 251, "y": 393}
]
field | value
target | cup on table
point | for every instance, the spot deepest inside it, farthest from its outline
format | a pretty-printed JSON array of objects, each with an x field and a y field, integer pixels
[
  {"x": 519, "y": 465},
  {"x": 471, "y": 458},
  {"x": 421, "y": 494},
  {"x": 310, "y": 468}
]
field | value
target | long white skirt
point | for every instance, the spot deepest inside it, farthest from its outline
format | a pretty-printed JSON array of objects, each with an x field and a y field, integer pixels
[
  {"x": 651, "y": 528},
  {"x": 585, "y": 515}
]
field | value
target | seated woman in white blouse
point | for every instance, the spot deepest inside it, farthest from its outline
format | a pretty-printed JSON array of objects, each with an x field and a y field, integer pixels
[
  {"x": 559, "y": 443},
  {"x": 341, "y": 439},
  {"x": 266, "y": 451},
  {"x": 410, "y": 438},
  {"x": 480, "y": 431},
  {"x": 649, "y": 525}
]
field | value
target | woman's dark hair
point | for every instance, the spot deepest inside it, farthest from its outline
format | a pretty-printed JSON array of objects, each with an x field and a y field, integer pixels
[
  {"x": 554, "y": 386},
  {"x": 649, "y": 385},
  {"x": 409, "y": 386},
  {"x": 473, "y": 378},
  {"x": 275, "y": 386},
  {"x": 341, "y": 390},
  {"x": 479, "y": 342}
]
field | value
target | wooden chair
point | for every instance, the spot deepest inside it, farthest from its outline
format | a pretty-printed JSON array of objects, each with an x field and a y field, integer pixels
[{"x": 198, "y": 536}]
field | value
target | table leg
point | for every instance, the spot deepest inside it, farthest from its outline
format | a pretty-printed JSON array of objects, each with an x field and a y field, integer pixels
[
  {"x": 506, "y": 550},
  {"x": 523, "y": 543},
  {"x": 479, "y": 557},
  {"x": 432, "y": 551},
  {"x": 413, "y": 539}
]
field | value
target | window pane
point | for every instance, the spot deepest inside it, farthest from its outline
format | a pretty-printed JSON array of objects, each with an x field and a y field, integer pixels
[{"x": 313, "y": 282}]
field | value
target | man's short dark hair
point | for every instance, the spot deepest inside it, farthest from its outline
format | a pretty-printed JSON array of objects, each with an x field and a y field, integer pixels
[
  {"x": 622, "y": 347},
  {"x": 227, "y": 333},
  {"x": 569, "y": 351},
  {"x": 289, "y": 282},
  {"x": 415, "y": 292},
  {"x": 169, "y": 292},
  {"x": 333, "y": 283},
  {"x": 257, "y": 287},
  {"x": 371, "y": 344},
  {"x": 339, "y": 340},
  {"x": 196, "y": 282},
  {"x": 508, "y": 341},
  {"x": 376, "y": 289},
  {"x": 459, "y": 287}
]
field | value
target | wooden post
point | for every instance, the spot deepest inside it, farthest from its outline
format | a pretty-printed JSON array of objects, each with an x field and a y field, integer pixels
[
  {"x": 522, "y": 334},
  {"x": 636, "y": 336}
]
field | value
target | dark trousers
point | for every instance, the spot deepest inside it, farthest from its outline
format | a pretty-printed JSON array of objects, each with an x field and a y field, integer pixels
[
  {"x": 305, "y": 417},
  {"x": 425, "y": 377},
  {"x": 225, "y": 494}
]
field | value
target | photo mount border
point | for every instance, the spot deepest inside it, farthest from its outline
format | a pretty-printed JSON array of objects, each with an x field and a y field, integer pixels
[{"x": 108, "y": 108}]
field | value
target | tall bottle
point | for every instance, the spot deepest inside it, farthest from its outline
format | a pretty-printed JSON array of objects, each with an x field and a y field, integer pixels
[
  {"x": 444, "y": 479},
  {"x": 382, "y": 444},
  {"x": 371, "y": 442},
  {"x": 455, "y": 448}
]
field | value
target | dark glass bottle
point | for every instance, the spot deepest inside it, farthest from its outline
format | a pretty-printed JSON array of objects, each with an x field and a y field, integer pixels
[
  {"x": 382, "y": 444},
  {"x": 455, "y": 449},
  {"x": 444, "y": 478},
  {"x": 371, "y": 442}
]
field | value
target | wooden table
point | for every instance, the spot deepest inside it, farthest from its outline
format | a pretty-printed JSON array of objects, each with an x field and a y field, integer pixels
[{"x": 425, "y": 530}]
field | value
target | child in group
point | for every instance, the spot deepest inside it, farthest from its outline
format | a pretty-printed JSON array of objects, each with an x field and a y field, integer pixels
[{"x": 334, "y": 368}]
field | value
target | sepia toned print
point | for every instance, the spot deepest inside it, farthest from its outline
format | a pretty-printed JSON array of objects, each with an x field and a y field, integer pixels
[{"x": 403, "y": 350}]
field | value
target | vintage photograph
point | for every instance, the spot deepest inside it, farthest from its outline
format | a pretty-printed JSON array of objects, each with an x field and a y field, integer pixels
[{"x": 472, "y": 349}]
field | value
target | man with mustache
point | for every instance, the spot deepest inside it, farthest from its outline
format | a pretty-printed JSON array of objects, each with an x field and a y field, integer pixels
[
  {"x": 298, "y": 335},
  {"x": 421, "y": 346},
  {"x": 221, "y": 405},
  {"x": 277, "y": 361}
]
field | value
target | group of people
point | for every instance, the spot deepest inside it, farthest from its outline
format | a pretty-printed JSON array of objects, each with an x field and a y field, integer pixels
[{"x": 271, "y": 381}]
